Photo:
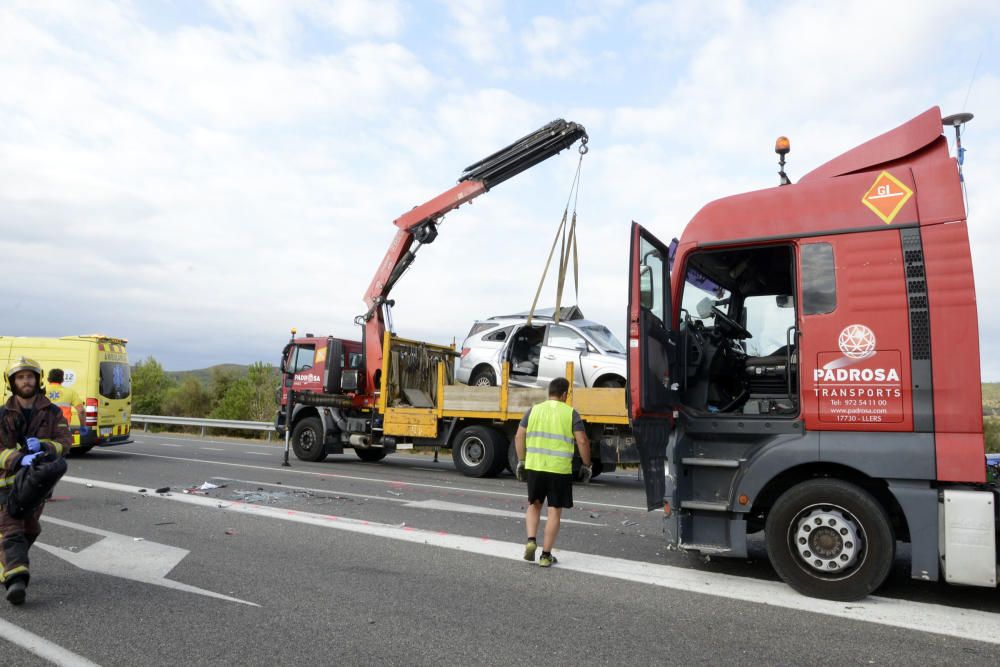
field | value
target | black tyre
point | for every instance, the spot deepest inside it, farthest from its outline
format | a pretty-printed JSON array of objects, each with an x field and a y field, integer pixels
[
  {"x": 307, "y": 440},
  {"x": 611, "y": 383},
  {"x": 80, "y": 451},
  {"x": 511, "y": 457},
  {"x": 370, "y": 455},
  {"x": 830, "y": 539},
  {"x": 483, "y": 377},
  {"x": 476, "y": 451}
]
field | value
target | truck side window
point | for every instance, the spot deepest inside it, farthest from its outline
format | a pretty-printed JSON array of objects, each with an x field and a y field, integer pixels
[
  {"x": 819, "y": 279},
  {"x": 651, "y": 280},
  {"x": 304, "y": 356}
]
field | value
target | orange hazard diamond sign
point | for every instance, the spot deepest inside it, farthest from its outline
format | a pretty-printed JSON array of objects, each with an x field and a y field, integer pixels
[{"x": 886, "y": 196}]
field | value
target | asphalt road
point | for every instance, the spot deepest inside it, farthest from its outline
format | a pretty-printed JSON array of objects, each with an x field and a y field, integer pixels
[{"x": 408, "y": 562}]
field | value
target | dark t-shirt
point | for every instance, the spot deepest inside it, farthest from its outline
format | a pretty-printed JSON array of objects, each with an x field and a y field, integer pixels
[{"x": 578, "y": 425}]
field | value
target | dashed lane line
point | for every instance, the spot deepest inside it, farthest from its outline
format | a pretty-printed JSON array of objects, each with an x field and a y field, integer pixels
[{"x": 934, "y": 619}]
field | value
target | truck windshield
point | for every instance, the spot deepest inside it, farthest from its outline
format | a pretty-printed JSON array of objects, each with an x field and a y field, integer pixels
[
  {"x": 116, "y": 380},
  {"x": 604, "y": 338}
]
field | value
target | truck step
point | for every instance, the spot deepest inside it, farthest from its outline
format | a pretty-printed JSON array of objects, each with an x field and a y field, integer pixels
[
  {"x": 710, "y": 463},
  {"x": 706, "y": 548},
  {"x": 705, "y": 505}
]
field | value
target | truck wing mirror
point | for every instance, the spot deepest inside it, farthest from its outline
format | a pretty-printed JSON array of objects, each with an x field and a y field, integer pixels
[{"x": 646, "y": 286}]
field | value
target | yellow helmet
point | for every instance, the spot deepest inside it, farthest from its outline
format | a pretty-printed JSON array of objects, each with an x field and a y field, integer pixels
[{"x": 22, "y": 364}]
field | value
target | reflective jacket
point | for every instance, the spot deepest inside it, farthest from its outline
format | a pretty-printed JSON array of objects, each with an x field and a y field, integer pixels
[
  {"x": 47, "y": 424},
  {"x": 549, "y": 438},
  {"x": 66, "y": 398}
]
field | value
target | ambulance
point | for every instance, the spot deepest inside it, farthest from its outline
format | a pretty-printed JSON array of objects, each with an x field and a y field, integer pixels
[{"x": 96, "y": 367}]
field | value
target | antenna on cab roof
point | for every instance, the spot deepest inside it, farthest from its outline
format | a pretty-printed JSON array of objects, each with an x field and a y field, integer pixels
[
  {"x": 957, "y": 120},
  {"x": 782, "y": 147}
]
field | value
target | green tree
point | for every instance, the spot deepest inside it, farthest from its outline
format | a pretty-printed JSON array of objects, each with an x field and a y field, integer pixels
[
  {"x": 149, "y": 387},
  {"x": 189, "y": 399},
  {"x": 251, "y": 397},
  {"x": 222, "y": 380}
]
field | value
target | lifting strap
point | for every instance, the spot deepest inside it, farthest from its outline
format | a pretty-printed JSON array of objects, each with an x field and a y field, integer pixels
[{"x": 566, "y": 238}]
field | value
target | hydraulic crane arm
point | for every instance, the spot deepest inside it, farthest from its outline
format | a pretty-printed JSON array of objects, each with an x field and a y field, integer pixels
[{"x": 420, "y": 223}]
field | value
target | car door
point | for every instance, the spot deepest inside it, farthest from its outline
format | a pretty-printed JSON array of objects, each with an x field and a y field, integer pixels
[{"x": 562, "y": 344}]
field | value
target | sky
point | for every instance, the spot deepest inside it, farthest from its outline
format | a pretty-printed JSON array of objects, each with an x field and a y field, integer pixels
[{"x": 198, "y": 177}]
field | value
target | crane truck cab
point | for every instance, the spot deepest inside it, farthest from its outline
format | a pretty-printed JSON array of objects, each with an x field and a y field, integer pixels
[{"x": 804, "y": 360}]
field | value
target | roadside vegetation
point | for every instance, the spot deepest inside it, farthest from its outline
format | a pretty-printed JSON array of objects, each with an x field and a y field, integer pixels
[{"x": 230, "y": 392}]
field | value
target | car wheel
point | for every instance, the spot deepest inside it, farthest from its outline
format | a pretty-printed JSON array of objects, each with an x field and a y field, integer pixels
[
  {"x": 611, "y": 383},
  {"x": 484, "y": 377},
  {"x": 830, "y": 539}
]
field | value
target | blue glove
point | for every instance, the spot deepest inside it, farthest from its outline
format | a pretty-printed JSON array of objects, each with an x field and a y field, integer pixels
[
  {"x": 84, "y": 431},
  {"x": 28, "y": 459},
  {"x": 34, "y": 445}
]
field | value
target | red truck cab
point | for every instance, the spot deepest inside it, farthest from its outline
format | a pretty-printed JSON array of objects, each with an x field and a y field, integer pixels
[{"x": 806, "y": 362}]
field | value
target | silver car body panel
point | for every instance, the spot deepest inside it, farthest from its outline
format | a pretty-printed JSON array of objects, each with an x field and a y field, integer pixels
[{"x": 586, "y": 343}]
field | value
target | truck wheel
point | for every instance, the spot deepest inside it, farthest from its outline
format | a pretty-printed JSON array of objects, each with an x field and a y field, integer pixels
[
  {"x": 80, "y": 451},
  {"x": 484, "y": 377},
  {"x": 370, "y": 455},
  {"x": 511, "y": 457},
  {"x": 307, "y": 440},
  {"x": 830, "y": 539},
  {"x": 476, "y": 450}
]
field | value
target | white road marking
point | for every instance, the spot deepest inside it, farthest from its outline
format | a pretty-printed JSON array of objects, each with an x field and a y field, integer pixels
[
  {"x": 42, "y": 647},
  {"x": 260, "y": 453},
  {"x": 965, "y": 624},
  {"x": 445, "y": 506},
  {"x": 440, "y": 487},
  {"x": 197, "y": 441},
  {"x": 439, "y": 505},
  {"x": 212, "y": 449},
  {"x": 167, "y": 444},
  {"x": 122, "y": 556}
]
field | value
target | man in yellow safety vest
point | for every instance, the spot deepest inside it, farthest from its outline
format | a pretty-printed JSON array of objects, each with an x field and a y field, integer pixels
[
  {"x": 67, "y": 399},
  {"x": 546, "y": 438}
]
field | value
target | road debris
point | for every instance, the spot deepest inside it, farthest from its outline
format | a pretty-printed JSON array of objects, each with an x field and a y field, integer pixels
[{"x": 162, "y": 489}]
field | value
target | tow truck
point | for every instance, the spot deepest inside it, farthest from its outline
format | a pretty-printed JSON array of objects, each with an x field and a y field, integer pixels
[
  {"x": 384, "y": 392},
  {"x": 804, "y": 361}
]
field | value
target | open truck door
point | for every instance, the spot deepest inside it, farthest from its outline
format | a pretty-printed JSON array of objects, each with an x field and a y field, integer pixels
[{"x": 652, "y": 354}]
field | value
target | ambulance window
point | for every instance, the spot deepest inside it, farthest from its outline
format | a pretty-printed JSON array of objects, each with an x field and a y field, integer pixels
[
  {"x": 304, "y": 356},
  {"x": 116, "y": 380},
  {"x": 819, "y": 279}
]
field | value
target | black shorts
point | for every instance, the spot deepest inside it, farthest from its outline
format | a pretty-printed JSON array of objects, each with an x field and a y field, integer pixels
[{"x": 553, "y": 488}]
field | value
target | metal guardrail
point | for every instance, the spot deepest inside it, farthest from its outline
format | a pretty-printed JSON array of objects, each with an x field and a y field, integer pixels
[{"x": 203, "y": 423}]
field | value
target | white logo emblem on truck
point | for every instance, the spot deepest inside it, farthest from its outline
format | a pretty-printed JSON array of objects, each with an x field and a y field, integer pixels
[{"x": 857, "y": 342}]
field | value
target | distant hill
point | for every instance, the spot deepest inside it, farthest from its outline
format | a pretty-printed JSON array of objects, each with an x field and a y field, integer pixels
[{"x": 204, "y": 375}]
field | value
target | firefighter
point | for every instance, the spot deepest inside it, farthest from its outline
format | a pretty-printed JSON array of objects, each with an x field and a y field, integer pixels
[
  {"x": 67, "y": 399},
  {"x": 30, "y": 426},
  {"x": 545, "y": 442}
]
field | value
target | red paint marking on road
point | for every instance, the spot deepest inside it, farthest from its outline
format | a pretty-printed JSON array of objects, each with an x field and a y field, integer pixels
[{"x": 58, "y": 498}]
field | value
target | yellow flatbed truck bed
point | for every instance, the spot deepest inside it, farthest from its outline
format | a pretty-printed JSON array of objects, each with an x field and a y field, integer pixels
[{"x": 422, "y": 405}]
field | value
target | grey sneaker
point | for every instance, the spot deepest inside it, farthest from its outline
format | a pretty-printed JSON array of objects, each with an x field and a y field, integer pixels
[
  {"x": 547, "y": 560},
  {"x": 529, "y": 550}
]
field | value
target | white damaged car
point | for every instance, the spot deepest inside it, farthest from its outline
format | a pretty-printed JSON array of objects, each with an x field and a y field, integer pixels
[{"x": 538, "y": 353}]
